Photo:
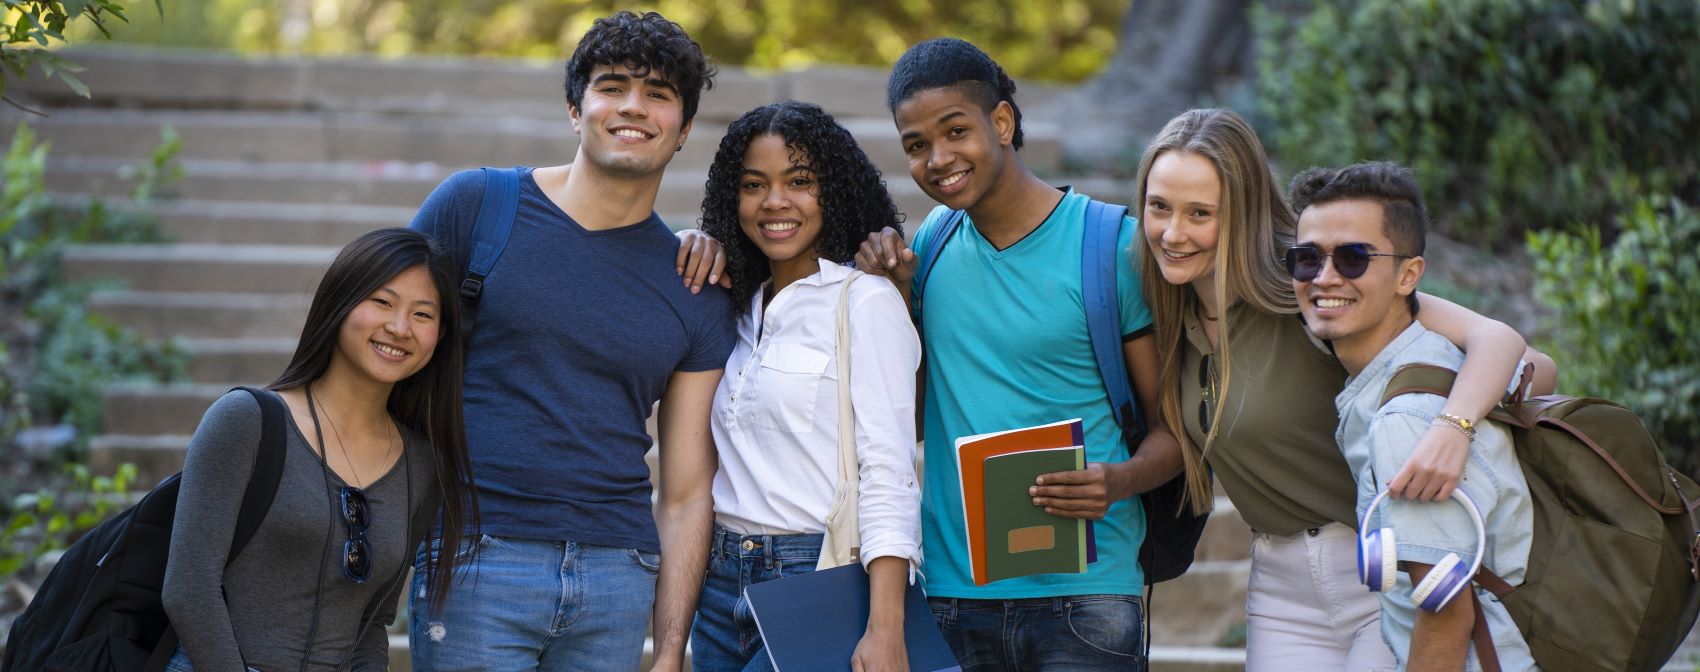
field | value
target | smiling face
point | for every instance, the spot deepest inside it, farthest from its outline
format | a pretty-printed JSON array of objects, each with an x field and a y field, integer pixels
[
  {"x": 1183, "y": 197},
  {"x": 956, "y": 150},
  {"x": 1369, "y": 307},
  {"x": 779, "y": 200},
  {"x": 392, "y": 333},
  {"x": 629, "y": 125}
]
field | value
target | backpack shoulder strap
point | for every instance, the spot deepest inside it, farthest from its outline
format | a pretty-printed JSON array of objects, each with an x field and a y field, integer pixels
[
  {"x": 1103, "y": 311},
  {"x": 1419, "y": 379},
  {"x": 256, "y": 502},
  {"x": 935, "y": 243},
  {"x": 268, "y": 470},
  {"x": 489, "y": 236}
]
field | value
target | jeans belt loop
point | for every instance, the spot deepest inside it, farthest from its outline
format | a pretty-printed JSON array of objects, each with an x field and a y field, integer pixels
[
  {"x": 767, "y": 551},
  {"x": 1057, "y": 605}
]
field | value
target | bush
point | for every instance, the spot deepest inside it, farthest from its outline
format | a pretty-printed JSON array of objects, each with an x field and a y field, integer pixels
[
  {"x": 1517, "y": 115},
  {"x": 1626, "y": 317},
  {"x": 57, "y": 356}
]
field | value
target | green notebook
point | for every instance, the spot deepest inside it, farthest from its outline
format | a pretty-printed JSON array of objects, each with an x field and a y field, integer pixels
[{"x": 1021, "y": 539}]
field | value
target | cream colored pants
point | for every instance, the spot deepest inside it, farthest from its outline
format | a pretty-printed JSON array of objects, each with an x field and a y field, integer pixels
[{"x": 1306, "y": 611}]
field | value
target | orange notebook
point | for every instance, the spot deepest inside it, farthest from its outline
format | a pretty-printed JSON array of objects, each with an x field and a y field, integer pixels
[{"x": 971, "y": 454}]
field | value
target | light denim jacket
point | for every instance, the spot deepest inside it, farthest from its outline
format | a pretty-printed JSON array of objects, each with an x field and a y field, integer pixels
[{"x": 1377, "y": 440}]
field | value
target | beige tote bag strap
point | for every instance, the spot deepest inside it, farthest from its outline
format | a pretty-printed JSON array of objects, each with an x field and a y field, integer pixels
[{"x": 843, "y": 541}]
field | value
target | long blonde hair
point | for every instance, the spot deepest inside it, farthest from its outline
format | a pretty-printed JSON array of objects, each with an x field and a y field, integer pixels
[{"x": 1255, "y": 227}]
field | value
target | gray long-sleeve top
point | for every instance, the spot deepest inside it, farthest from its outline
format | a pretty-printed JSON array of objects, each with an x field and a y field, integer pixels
[{"x": 259, "y": 607}]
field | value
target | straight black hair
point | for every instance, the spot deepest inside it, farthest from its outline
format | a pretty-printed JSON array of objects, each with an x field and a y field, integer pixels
[{"x": 429, "y": 401}]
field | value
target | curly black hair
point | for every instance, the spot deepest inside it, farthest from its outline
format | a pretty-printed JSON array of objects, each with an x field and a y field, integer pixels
[
  {"x": 644, "y": 44},
  {"x": 947, "y": 62},
  {"x": 853, "y": 198}
]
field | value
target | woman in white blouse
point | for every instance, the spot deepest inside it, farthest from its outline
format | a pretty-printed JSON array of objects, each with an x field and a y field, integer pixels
[{"x": 790, "y": 196}]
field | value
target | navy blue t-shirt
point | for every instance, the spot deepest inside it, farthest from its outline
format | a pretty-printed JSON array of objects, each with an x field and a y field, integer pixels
[{"x": 577, "y": 334}]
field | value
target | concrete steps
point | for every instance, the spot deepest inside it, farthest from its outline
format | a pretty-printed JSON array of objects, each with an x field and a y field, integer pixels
[
  {"x": 364, "y": 137},
  {"x": 204, "y": 314},
  {"x": 384, "y": 184}
]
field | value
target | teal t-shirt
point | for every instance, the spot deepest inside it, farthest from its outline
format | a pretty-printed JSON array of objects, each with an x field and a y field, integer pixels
[{"x": 1007, "y": 347}]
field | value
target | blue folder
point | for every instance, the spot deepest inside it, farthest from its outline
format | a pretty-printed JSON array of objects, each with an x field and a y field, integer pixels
[{"x": 813, "y": 621}]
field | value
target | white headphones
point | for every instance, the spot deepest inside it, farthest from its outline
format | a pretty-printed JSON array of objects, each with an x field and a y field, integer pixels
[{"x": 1378, "y": 561}]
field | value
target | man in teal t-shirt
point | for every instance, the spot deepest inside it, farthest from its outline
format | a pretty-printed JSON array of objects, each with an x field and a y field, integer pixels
[{"x": 1007, "y": 347}]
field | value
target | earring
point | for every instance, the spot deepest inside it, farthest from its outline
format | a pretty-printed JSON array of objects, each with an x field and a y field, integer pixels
[{"x": 679, "y": 147}]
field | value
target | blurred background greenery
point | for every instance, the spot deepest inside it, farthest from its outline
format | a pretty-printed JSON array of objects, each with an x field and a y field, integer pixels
[{"x": 1067, "y": 40}]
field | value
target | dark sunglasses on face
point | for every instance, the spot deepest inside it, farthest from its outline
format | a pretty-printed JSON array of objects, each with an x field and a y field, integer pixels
[
  {"x": 357, "y": 552},
  {"x": 1351, "y": 260}
]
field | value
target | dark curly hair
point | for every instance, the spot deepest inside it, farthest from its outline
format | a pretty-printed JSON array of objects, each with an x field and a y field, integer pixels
[
  {"x": 947, "y": 62},
  {"x": 644, "y": 44},
  {"x": 853, "y": 199},
  {"x": 1404, "y": 218}
]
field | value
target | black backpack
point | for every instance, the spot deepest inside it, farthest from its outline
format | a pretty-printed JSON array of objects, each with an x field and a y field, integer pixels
[{"x": 100, "y": 606}]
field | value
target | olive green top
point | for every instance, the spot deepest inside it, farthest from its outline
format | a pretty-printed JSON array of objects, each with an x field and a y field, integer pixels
[{"x": 1274, "y": 453}]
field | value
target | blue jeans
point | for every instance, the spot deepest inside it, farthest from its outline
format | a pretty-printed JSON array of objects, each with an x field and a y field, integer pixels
[
  {"x": 724, "y": 637},
  {"x": 180, "y": 662},
  {"x": 521, "y": 604},
  {"x": 1078, "y": 633}
]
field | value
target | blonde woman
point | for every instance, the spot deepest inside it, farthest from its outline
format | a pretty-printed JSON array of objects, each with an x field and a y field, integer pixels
[{"x": 1250, "y": 393}]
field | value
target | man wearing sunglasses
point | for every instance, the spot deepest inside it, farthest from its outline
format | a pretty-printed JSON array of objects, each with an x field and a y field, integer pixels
[{"x": 1355, "y": 270}]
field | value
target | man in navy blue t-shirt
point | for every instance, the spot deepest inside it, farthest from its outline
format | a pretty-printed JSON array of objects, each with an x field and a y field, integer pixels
[{"x": 583, "y": 325}]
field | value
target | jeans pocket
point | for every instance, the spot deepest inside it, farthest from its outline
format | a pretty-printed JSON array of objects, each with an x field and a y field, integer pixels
[
  {"x": 1107, "y": 624},
  {"x": 432, "y": 547},
  {"x": 650, "y": 562}
]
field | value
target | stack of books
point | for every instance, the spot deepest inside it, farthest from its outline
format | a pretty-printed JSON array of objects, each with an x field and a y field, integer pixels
[{"x": 1008, "y": 536}]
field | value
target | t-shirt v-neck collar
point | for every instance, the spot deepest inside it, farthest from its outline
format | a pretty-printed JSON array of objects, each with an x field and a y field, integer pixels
[
  {"x": 529, "y": 181},
  {"x": 994, "y": 253}
]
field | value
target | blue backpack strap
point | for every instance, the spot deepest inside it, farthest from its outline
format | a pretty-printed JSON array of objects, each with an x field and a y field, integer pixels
[
  {"x": 490, "y": 232},
  {"x": 934, "y": 244},
  {"x": 1098, "y": 260}
]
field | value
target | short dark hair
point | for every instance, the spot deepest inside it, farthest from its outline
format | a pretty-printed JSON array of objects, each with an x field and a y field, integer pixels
[
  {"x": 947, "y": 62},
  {"x": 853, "y": 199},
  {"x": 643, "y": 43},
  {"x": 1404, "y": 218}
]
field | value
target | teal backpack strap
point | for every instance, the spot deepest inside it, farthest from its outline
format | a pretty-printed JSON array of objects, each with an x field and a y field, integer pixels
[
  {"x": 1098, "y": 260},
  {"x": 934, "y": 244},
  {"x": 489, "y": 237}
]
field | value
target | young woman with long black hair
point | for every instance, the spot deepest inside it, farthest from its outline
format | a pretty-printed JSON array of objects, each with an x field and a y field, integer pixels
[{"x": 375, "y": 443}]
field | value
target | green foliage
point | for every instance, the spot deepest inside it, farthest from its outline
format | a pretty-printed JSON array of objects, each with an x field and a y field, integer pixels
[
  {"x": 1517, "y": 115},
  {"x": 37, "y": 24},
  {"x": 1061, "y": 40},
  {"x": 49, "y": 518},
  {"x": 55, "y": 354},
  {"x": 58, "y": 355},
  {"x": 1627, "y": 318}
]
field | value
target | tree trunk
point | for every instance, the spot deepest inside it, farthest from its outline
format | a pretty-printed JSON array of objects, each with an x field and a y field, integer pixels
[{"x": 1170, "y": 56}]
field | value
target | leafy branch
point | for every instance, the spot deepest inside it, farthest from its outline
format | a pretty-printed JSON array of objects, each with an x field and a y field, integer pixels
[{"x": 36, "y": 25}]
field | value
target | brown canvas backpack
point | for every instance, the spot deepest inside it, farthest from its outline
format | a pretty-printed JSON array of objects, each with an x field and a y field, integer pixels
[{"x": 1613, "y": 580}]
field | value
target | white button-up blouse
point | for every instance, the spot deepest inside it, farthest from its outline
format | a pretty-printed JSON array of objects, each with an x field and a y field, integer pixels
[{"x": 775, "y": 419}]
